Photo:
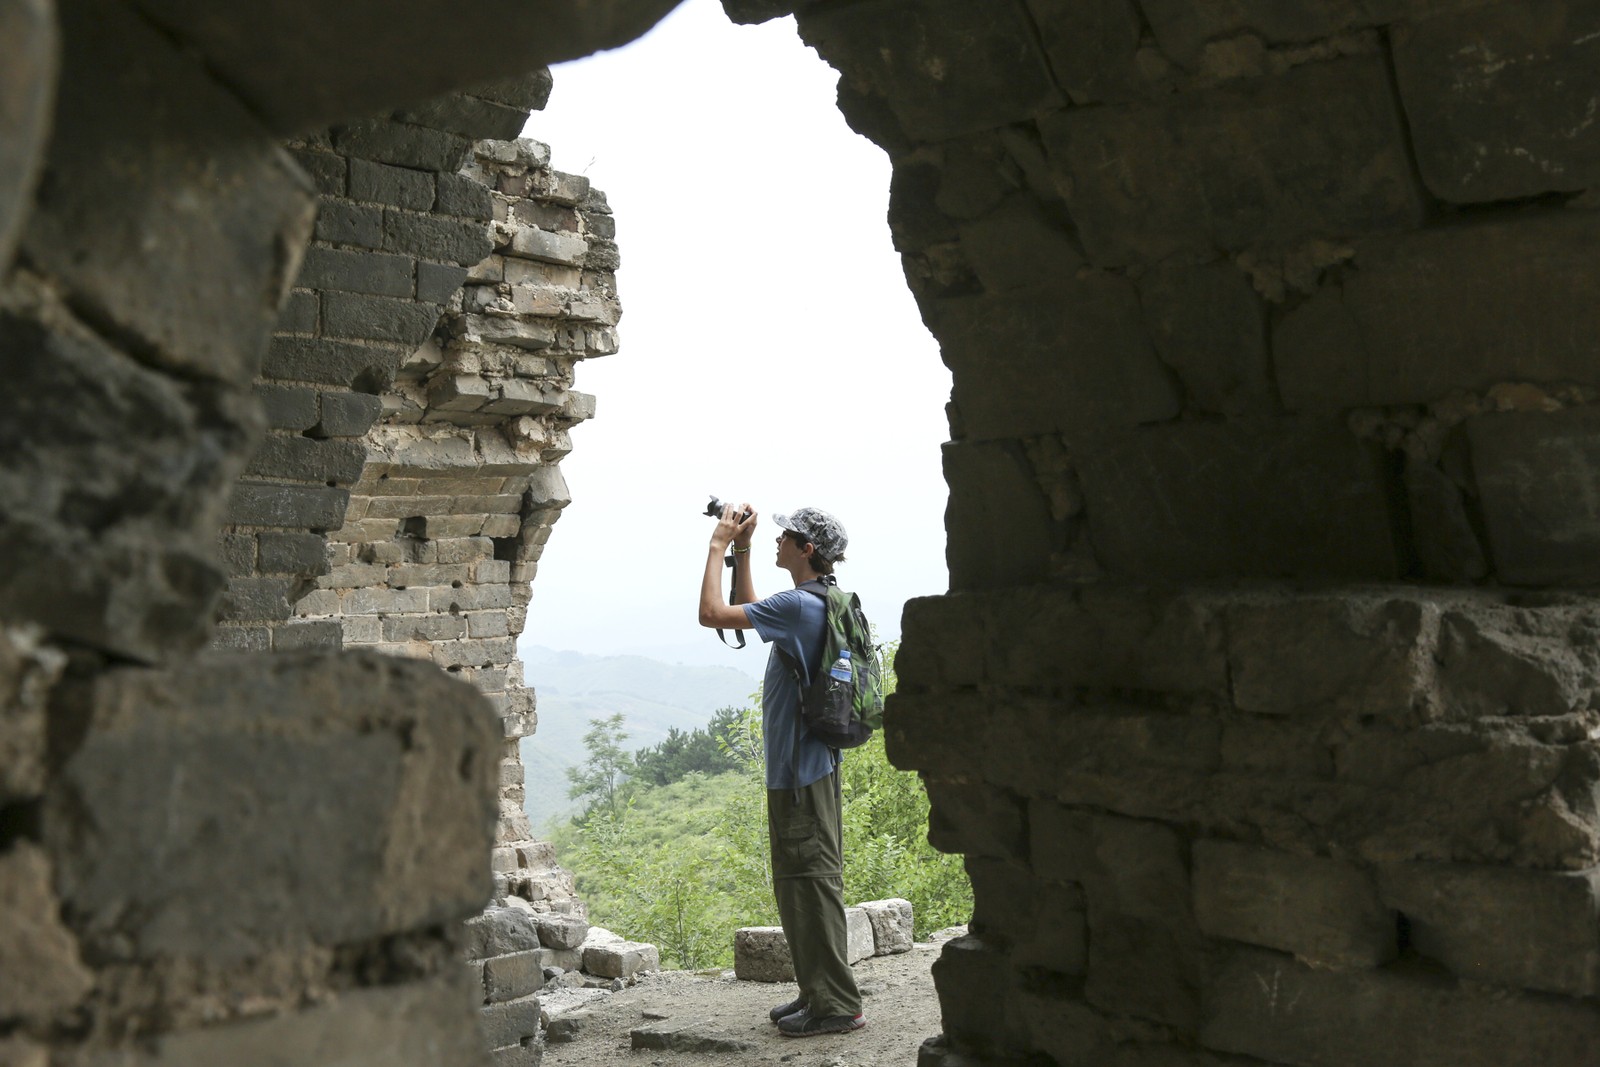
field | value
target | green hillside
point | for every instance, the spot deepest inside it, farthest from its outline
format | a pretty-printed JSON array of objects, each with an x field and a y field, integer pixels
[{"x": 653, "y": 697}]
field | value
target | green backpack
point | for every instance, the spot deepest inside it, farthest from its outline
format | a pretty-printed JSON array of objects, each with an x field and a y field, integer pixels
[{"x": 841, "y": 714}]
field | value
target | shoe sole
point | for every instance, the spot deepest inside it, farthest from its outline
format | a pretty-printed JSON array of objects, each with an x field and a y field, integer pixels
[{"x": 859, "y": 1025}]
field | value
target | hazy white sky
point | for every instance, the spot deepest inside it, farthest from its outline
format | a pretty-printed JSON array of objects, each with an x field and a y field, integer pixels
[{"x": 770, "y": 350}]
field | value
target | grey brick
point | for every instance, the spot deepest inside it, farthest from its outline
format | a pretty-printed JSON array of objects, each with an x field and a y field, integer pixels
[
  {"x": 438, "y": 282},
  {"x": 342, "y": 222},
  {"x": 460, "y": 195},
  {"x": 326, "y": 362},
  {"x": 460, "y": 241},
  {"x": 299, "y": 314},
  {"x": 323, "y": 634},
  {"x": 530, "y": 92},
  {"x": 401, "y": 144},
  {"x": 512, "y": 976},
  {"x": 302, "y": 507},
  {"x": 326, "y": 169},
  {"x": 357, "y": 272},
  {"x": 307, "y": 459},
  {"x": 347, "y": 414},
  {"x": 238, "y": 551},
  {"x": 469, "y": 116},
  {"x": 424, "y": 627},
  {"x": 359, "y": 316},
  {"x": 395, "y": 186},
  {"x": 288, "y": 407},
  {"x": 242, "y": 639},
  {"x": 255, "y": 600},
  {"x": 293, "y": 553},
  {"x": 507, "y": 1024}
]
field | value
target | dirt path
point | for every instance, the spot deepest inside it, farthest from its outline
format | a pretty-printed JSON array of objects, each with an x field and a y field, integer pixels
[{"x": 710, "y": 1017}]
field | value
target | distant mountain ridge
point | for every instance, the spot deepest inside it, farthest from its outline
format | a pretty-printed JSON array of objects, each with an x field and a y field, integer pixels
[{"x": 573, "y": 687}]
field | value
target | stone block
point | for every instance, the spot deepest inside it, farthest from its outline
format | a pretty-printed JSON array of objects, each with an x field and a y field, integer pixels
[
  {"x": 944, "y": 67},
  {"x": 464, "y": 197},
  {"x": 287, "y": 407},
  {"x": 562, "y": 931},
  {"x": 690, "y": 1036},
  {"x": 468, "y": 116},
  {"x": 1000, "y": 532},
  {"x": 458, "y": 241},
  {"x": 327, "y": 170},
  {"x": 323, "y": 635},
  {"x": 438, "y": 282},
  {"x": 306, "y": 459},
  {"x": 1265, "y": 1005},
  {"x": 526, "y": 92},
  {"x": 299, "y": 313},
  {"x": 30, "y": 57},
  {"x": 369, "y": 786},
  {"x": 1092, "y": 46},
  {"x": 350, "y": 271},
  {"x": 761, "y": 954},
  {"x": 346, "y": 414},
  {"x": 380, "y": 183},
  {"x": 1067, "y": 357},
  {"x": 1241, "y": 499},
  {"x": 1453, "y": 308},
  {"x": 304, "y": 507},
  {"x": 402, "y": 144},
  {"x": 619, "y": 959},
  {"x": 152, "y": 162},
  {"x": 859, "y": 944},
  {"x": 512, "y": 976},
  {"x": 1502, "y": 926},
  {"x": 976, "y": 993},
  {"x": 41, "y": 974},
  {"x": 1538, "y": 481},
  {"x": 943, "y": 641},
  {"x": 518, "y": 333},
  {"x": 341, "y": 222},
  {"x": 1060, "y": 925},
  {"x": 500, "y": 932},
  {"x": 891, "y": 925},
  {"x": 360, "y": 317},
  {"x": 29, "y": 669},
  {"x": 917, "y": 737},
  {"x": 1494, "y": 661},
  {"x": 1346, "y": 655},
  {"x": 1325, "y": 912},
  {"x": 533, "y": 243},
  {"x": 509, "y": 1023},
  {"x": 292, "y": 553},
  {"x": 974, "y": 819},
  {"x": 1210, "y": 327},
  {"x": 1327, "y": 150},
  {"x": 417, "y": 1024},
  {"x": 1499, "y": 99}
]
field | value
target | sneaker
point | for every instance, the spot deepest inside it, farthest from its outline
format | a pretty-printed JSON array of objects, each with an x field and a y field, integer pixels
[
  {"x": 801, "y": 1024},
  {"x": 777, "y": 1014}
]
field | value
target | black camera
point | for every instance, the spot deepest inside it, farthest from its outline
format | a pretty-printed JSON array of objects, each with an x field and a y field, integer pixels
[{"x": 714, "y": 509}]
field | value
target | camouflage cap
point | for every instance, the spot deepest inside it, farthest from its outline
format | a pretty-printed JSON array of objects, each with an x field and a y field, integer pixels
[{"x": 821, "y": 529}]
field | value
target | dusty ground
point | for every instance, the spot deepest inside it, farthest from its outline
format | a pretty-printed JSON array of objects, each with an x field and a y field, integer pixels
[{"x": 718, "y": 1019}]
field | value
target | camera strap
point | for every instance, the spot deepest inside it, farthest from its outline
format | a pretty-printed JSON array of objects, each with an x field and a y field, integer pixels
[{"x": 738, "y": 634}]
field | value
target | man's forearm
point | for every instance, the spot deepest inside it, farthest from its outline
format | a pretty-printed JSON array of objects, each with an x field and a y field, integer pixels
[{"x": 711, "y": 585}]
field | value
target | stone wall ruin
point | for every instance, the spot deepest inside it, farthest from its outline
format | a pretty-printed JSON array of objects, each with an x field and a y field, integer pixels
[{"x": 1272, "y": 532}]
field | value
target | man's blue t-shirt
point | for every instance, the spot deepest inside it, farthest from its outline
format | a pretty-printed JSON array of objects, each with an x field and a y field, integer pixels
[{"x": 793, "y": 621}]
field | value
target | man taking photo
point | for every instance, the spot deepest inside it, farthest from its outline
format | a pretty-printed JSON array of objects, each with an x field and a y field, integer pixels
[{"x": 804, "y": 818}]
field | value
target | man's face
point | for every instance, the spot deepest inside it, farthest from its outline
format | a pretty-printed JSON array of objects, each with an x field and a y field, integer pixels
[{"x": 790, "y": 549}]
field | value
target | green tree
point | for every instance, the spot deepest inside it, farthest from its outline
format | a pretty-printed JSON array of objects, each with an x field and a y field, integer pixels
[
  {"x": 605, "y": 768},
  {"x": 701, "y": 750}
]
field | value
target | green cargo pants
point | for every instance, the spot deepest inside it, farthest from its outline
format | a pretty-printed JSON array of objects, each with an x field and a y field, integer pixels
[{"x": 806, "y": 830}]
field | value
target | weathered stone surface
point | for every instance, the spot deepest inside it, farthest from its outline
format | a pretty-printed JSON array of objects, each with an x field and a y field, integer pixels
[
  {"x": 1501, "y": 101},
  {"x": 1264, "y": 1005},
  {"x": 1068, "y": 357},
  {"x": 1210, "y": 500},
  {"x": 1092, "y": 47},
  {"x": 109, "y": 504},
  {"x": 358, "y": 789},
  {"x": 1534, "y": 929},
  {"x": 41, "y": 975},
  {"x": 761, "y": 954},
  {"x": 945, "y": 67},
  {"x": 514, "y": 975},
  {"x": 1210, "y": 327},
  {"x": 509, "y": 1023},
  {"x": 891, "y": 925},
  {"x": 1183, "y": 29},
  {"x": 1514, "y": 663},
  {"x": 687, "y": 1035},
  {"x": 1336, "y": 655},
  {"x": 28, "y": 671},
  {"x": 560, "y": 931},
  {"x": 152, "y": 162},
  {"x": 1325, "y": 912},
  {"x": 1538, "y": 479},
  {"x": 1150, "y": 181},
  {"x": 1018, "y": 246},
  {"x": 859, "y": 944},
  {"x": 616, "y": 958},
  {"x": 28, "y": 59},
  {"x": 972, "y": 819},
  {"x": 1000, "y": 530},
  {"x": 298, "y": 79},
  {"x": 975, "y": 993},
  {"x": 1454, "y": 308}
]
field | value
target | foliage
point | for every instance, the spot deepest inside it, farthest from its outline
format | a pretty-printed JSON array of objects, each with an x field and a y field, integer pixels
[
  {"x": 702, "y": 750},
  {"x": 684, "y": 863},
  {"x": 599, "y": 776}
]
